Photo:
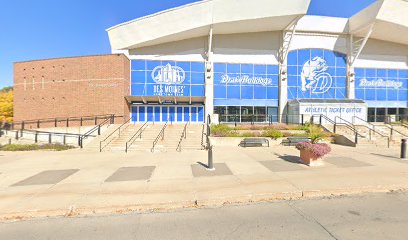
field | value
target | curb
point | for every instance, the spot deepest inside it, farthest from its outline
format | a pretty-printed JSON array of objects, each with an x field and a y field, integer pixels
[{"x": 196, "y": 204}]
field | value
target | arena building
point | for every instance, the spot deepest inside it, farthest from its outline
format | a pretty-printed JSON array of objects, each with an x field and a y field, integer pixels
[{"x": 237, "y": 60}]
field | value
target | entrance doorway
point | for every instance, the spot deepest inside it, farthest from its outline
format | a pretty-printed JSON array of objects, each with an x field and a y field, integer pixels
[{"x": 170, "y": 113}]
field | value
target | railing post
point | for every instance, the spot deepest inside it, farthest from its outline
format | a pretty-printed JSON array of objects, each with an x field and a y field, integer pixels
[
  {"x": 16, "y": 134},
  {"x": 21, "y": 133},
  {"x": 391, "y": 132},
  {"x": 99, "y": 130},
  {"x": 49, "y": 138},
  {"x": 320, "y": 120},
  {"x": 96, "y": 120},
  {"x": 55, "y": 122},
  {"x": 334, "y": 127},
  {"x": 369, "y": 131},
  {"x": 22, "y": 125},
  {"x": 355, "y": 137},
  {"x": 80, "y": 122},
  {"x": 36, "y": 137},
  {"x": 67, "y": 122},
  {"x": 38, "y": 124},
  {"x": 126, "y": 147},
  {"x": 64, "y": 140},
  {"x": 113, "y": 119},
  {"x": 303, "y": 123},
  {"x": 79, "y": 141}
]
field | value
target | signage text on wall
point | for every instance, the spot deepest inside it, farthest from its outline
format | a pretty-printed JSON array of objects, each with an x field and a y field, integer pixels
[
  {"x": 380, "y": 83},
  {"x": 245, "y": 80}
]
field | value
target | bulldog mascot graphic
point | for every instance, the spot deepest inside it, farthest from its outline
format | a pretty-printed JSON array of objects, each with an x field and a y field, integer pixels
[{"x": 315, "y": 77}]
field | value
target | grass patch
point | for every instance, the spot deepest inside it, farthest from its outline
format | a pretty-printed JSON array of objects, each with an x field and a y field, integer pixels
[{"x": 35, "y": 147}]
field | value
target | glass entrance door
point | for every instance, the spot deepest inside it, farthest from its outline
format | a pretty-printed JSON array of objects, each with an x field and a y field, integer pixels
[{"x": 172, "y": 114}]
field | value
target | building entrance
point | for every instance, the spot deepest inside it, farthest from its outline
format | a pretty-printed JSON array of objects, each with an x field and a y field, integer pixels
[{"x": 170, "y": 113}]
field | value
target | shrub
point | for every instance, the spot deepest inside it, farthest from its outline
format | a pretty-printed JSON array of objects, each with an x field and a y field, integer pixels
[
  {"x": 318, "y": 149},
  {"x": 34, "y": 147},
  {"x": 272, "y": 133},
  {"x": 220, "y": 130}
]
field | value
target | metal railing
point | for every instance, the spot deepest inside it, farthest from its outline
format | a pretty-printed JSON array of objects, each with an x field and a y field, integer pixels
[
  {"x": 50, "y": 135},
  {"x": 97, "y": 128},
  {"x": 133, "y": 138},
  {"x": 183, "y": 136},
  {"x": 161, "y": 133},
  {"x": 55, "y": 122},
  {"x": 202, "y": 138},
  {"x": 103, "y": 143}
]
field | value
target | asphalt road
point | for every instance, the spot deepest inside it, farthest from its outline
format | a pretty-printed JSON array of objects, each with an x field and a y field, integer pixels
[{"x": 373, "y": 216}]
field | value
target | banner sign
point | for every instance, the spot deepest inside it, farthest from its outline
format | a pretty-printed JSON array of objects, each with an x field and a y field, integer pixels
[{"x": 167, "y": 78}]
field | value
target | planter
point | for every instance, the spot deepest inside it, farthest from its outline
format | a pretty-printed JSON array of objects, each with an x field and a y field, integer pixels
[
  {"x": 311, "y": 154},
  {"x": 309, "y": 158}
]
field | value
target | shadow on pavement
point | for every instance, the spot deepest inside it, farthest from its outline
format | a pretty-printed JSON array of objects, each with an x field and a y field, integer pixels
[
  {"x": 291, "y": 159},
  {"x": 388, "y": 156},
  {"x": 203, "y": 164}
]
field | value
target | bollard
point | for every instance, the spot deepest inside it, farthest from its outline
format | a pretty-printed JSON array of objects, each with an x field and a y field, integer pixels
[
  {"x": 210, "y": 164},
  {"x": 404, "y": 149}
]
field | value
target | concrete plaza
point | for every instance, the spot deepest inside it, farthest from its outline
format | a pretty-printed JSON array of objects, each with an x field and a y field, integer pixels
[{"x": 75, "y": 182}]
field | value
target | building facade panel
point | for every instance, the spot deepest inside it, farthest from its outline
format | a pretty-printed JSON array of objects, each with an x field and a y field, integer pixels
[{"x": 71, "y": 87}]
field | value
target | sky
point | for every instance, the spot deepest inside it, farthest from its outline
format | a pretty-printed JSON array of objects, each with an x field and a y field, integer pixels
[{"x": 43, "y": 29}]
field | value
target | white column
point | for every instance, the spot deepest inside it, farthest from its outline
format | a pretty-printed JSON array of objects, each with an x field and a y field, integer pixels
[{"x": 209, "y": 79}]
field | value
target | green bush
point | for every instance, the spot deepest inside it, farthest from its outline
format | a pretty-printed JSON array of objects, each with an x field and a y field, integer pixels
[
  {"x": 34, "y": 147},
  {"x": 272, "y": 133}
]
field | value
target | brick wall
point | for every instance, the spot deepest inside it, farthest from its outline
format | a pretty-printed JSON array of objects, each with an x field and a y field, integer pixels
[{"x": 71, "y": 87}]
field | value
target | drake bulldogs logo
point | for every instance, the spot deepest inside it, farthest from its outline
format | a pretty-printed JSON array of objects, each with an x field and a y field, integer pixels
[{"x": 314, "y": 76}]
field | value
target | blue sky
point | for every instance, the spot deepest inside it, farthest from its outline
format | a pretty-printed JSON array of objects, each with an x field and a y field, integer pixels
[{"x": 48, "y": 28}]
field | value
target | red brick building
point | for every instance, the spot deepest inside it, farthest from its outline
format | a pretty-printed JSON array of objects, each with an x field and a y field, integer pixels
[{"x": 71, "y": 87}]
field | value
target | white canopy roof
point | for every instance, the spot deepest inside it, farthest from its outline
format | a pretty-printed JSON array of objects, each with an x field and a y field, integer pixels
[
  {"x": 195, "y": 20},
  {"x": 388, "y": 17}
]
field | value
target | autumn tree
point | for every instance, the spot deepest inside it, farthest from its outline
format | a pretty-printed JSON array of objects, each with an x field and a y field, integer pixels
[{"x": 6, "y": 104}]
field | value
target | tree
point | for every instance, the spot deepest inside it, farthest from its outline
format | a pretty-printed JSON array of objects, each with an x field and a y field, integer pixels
[{"x": 6, "y": 104}]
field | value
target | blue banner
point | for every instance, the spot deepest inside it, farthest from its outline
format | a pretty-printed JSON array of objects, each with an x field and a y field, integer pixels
[
  {"x": 167, "y": 78},
  {"x": 382, "y": 87},
  {"x": 316, "y": 73},
  {"x": 245, "y": 84}
]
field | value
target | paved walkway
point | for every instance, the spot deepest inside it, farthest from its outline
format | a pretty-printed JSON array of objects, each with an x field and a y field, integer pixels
[{"x": 40, "y": 184}]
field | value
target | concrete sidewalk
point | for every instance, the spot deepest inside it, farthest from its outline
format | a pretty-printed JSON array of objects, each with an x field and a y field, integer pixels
[{"x": 39, "y": 184}]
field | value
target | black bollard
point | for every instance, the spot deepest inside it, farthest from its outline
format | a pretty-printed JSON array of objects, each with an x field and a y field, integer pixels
[
  {"x": 210, "y": 159},
  {"x": 404, "y": 149}
]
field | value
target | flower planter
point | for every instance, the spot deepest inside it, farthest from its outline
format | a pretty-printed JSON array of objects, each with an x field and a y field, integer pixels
[
  {"x": 311, "y": 154},
  {"x": 309, "y": 158}
]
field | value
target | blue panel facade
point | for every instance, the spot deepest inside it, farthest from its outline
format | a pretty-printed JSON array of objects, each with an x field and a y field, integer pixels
[
  {"x": 382, "y": 87},
  {"x": 317, "y": 73},
  {"x": 167, "y": 78},
  {"x": 245, "y": 84}
]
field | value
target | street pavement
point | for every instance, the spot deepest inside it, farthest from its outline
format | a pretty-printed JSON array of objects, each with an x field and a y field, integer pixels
[
  {"x": 77, "y": 183},
  {"x": 368, "y": 216}
]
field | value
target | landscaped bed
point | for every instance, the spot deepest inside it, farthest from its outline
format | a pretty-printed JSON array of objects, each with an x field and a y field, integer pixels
[
  {"x": 35, "y": 147},
  {"x": 273, "y": 131}
]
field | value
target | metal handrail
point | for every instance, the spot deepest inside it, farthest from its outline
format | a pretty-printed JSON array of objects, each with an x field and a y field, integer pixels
[
  {"x": 183, "y": 136},
  {"x": 133, "y": 138},
  {"x": 111, "y": 134},
  {"x": 158, "y": 136},
  {"x": 389, "y": 127},
  {"x": 61, "y": 119},
  {"x": 202, "y": 137},
  {"x": 96, "y": 128}
]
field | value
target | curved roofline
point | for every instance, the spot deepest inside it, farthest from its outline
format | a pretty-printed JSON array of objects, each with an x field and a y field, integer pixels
[
  {"x": 158, "y": 13},
  {"x": 387, "y": 18}
]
